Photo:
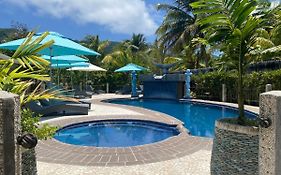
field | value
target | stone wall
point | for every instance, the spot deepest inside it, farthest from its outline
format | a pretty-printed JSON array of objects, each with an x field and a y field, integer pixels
[
  {"x": 10, "y": 157},
  {"x": 29, "y": 166},
  {"x": 270, "y": 137},
  {"x": 235, "y": 150}
]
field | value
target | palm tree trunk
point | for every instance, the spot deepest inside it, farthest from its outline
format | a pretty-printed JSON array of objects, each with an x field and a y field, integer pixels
[
  {"x": 204, "y": 55},
  {"x": 241, "y": 117}
]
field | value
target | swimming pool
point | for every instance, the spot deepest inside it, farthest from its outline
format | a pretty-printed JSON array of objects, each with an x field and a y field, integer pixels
[
  {"x": 115, "y": 133},
  {"x": 198, "y": 118}
]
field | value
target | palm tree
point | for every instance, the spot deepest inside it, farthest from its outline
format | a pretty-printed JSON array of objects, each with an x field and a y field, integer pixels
[
  {"x": 118, "y": 58},
  {"x": 232, "y": 23},
  {"x": 267, "y": 45},
  {"x": 179, "y": 28},
  {"x": 129, "y": 51},
  {"x": 137, "y": 40},
  {"x": 93, "y": 42}
]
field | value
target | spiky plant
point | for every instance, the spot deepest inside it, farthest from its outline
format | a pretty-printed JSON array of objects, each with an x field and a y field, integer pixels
[{"x": 24, "y": 74}]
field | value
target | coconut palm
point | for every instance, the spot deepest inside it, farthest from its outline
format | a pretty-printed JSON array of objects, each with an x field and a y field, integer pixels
[
  {"x": 93, "y": 42},
  {"x": 129, "y": 51},
  {"x": 267, "y": 45},
  {"x": 137, "y": 40},
  {"x": 178, "y": 29},
  {"x": 233, "y": 23}
]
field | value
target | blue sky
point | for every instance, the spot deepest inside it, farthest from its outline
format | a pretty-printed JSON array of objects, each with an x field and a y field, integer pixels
[
  {"x": 114, "y": 20},
  {"x": 111, "y": 19}
]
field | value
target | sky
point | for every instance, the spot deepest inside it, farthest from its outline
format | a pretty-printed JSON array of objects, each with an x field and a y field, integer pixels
[{"x": 114, "y": 20}]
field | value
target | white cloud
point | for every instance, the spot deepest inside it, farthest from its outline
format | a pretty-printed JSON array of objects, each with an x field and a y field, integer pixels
[
  {"x": 274, "y": 3},
  {"x": 122, "y": 16}
]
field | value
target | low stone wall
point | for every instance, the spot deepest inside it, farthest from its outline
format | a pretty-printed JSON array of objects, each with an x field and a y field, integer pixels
[{"x": 235, "y": 150}]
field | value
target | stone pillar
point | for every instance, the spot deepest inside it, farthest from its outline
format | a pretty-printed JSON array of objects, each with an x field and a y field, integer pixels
[
  {"x": 187, "y": 83},
  {"x": 268, "y": 87},
  {"x": 223, "y": 98},
  {"x": 10, "y": 154},
  {"x": 270, "y": 137},
  {"x": 134, "y": 84}
]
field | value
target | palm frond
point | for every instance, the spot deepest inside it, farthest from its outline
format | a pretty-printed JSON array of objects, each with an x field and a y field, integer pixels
[{"x": 27, "y": 52}]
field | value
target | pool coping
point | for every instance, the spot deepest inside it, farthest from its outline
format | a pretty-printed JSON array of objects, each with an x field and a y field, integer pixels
[
  {"x": 254, "y": 110},
  {"x": 53, "y": 151}
]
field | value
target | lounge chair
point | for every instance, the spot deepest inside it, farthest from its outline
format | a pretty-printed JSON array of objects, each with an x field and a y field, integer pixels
[
  {"x": 47, "y": 102},
  {"x": 125, "y": 90},
  {"x": 58, "y": 108}
]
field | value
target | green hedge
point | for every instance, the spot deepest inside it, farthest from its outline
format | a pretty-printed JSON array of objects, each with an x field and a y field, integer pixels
[
  {"x": 97, "y": 80},
  {"x": 209, "y": 85}
]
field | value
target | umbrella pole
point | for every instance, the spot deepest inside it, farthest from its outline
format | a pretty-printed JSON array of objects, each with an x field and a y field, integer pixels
[
  {"x": 58, "y": 76},
  {"x": 51, "y": 53},
  {"x": 86, "y": 81},
  {"x": 71, "y": 80}
]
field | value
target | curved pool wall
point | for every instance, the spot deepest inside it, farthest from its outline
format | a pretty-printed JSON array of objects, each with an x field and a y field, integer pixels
[
  {"x": 198, "y": 118},
  {"x": 116, "y": 133}
]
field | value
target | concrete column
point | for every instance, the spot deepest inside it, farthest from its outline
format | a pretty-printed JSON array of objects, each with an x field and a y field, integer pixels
[
  {"x": 10, "y": 154},
  {"x": 134, "y": 84},
  {"x": 223, "y": 93},
  {"x": 187, "y": 83},
  {"x": 268, "y": 87},
  {"x": 270, "y": 137}
]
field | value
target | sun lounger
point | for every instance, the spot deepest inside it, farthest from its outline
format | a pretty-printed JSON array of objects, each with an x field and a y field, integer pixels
[{"x": 58, "y": 108}]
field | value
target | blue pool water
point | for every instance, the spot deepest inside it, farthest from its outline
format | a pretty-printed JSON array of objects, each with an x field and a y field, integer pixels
[
  {"x": 199, "y": 119},
  {"x": 115, "y": 133}
]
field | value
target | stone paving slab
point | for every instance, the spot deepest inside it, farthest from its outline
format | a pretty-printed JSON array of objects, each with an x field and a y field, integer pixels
[{"x": 196, "y": 163}]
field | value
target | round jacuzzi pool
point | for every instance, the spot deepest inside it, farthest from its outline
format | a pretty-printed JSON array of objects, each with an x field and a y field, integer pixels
[{"x": 115, "y": 133}]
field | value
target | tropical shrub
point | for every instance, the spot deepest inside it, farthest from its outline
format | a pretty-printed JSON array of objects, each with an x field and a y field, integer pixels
[
  {"x": 30, "y": 124},
  {"x": 209, "y": 85},
  {"x": 24, "y": 74}
]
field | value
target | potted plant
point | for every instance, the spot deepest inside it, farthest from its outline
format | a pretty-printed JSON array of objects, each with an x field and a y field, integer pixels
[{"x": 240, "y": 27}]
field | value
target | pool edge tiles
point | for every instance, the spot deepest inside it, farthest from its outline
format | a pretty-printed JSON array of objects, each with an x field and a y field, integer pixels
[{"x": 116, "y": 133}]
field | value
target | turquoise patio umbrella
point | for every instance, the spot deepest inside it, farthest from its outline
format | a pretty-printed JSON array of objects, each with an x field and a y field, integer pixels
[
  {"x": 130, "y": 67},
  {"x": 133, "y": 68},
  {"x": 66, "y": 65},
  {"x": 62, "y": 46},
  {"x": 66, "y": 61},
  {"x": 69, "y": 65},
  {"x": 90, "y": 68}
]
